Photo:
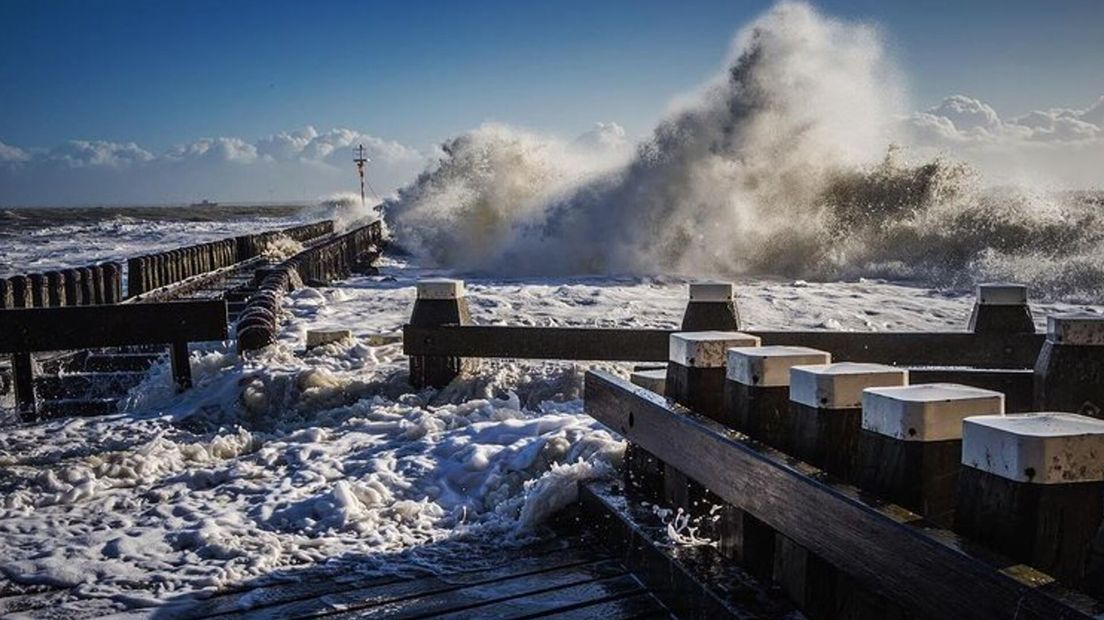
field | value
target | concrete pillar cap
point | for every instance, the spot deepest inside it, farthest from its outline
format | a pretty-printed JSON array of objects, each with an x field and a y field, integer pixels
[
  {"x": 929, "y": 412},
  {"x": 1036, "y": 448},
  {"x": 840, "y": 385},
  {"x": 653, "y": 380},
  {"x": 440, "y": 288},
  {"x": 770, "y": 366},
  {"x": 706, "y": 349},
  {"x": 1001, "y": 294},
  {"x": 1085, "y": 329},
  {"x": 711, "y": 291}
]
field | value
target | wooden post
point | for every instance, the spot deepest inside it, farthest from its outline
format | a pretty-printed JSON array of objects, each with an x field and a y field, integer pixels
[
  {"x": 757, "y": 389},
  {"x": 39, "y": 295},
  {"x": 55, "y": 289},
  {"x": 73, "y": 288},
  {"x": 98, "y": 292},
  {"x": 696, "y": 369},
  {"x": 1001, "y": 308},
  {"x": 181, "y": 366},
  {"x": 111, "y": 283},
  {"x": 1032, "y": 488},
  {"x": 826, "y": 410},
  {"x": 911, "y": 443},
  {"x": 87, "y": 296},
  {"x": 23, "y": 380},
  {"x": 757, "y": 397},
  {"x": 5, "y": 294},
  {"x": 21, "y": 292},
  {"x": 1069, "y": 374},
  {"x": 439, "y": 302},
  {"x": 824, "y": 423},
  {"x": 712, "y": 305},
  {"x": 137, "y": 275},
  {"x": 695, "y": 379}
]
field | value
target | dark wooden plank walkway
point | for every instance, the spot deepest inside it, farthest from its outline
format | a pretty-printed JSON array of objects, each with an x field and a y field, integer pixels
[{"x": 567, "y": 577}]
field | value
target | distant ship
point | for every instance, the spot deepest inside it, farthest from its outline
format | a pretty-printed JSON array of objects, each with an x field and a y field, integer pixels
[{"x": 205, "y": 203}]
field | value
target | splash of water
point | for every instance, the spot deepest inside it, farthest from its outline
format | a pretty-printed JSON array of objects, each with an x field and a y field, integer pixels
[{"x": 778, "y": 166}]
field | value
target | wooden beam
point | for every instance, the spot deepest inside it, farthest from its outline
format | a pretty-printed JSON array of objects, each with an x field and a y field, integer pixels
[
  {"x": 69, "y": 328},
  {"x": 883, "y": 547},
  {"x": 650, "y": 345}
]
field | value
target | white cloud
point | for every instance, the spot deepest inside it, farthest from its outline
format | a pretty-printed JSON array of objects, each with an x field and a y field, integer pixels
[
  {"x": 214, "y": 150},
  {"x": 1060, "y": 146},
  {"x": 300, "y": 164},
  {"x": 12, "y": 154},
  {"x": 83, "y": 153}
]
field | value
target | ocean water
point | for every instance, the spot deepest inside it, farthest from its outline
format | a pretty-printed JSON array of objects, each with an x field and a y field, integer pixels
[{"x": 40, "y": 239}]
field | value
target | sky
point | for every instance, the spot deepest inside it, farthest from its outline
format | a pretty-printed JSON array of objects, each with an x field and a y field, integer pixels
[{"x": 159, "y": 102}]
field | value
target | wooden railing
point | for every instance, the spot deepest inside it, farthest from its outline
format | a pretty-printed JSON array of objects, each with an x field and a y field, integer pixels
[
  {"x": 884, "y": 549},
  {"x": 24, "y": 332}
]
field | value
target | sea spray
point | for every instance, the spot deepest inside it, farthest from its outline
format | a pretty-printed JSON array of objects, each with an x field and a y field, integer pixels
[{"x": 791, "y": 162}]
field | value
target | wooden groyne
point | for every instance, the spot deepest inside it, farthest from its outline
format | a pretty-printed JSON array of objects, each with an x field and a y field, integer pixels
[
  {"x": 171, "y": 298},
  {"x": 862, "y": 474}
]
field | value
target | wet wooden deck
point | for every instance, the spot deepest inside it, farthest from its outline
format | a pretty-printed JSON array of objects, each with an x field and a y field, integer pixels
[{"x": 572, "y": 577}]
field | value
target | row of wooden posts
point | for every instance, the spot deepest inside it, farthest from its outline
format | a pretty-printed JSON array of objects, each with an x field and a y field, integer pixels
[
  {"x": 335, "y": 259},
  {"x": 1027, "y": 486},
  {"x": 153, "y": 271},
  {"x": 83, "y": 286}
]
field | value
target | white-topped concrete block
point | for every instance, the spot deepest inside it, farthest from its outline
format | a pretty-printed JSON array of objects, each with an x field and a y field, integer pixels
[
  {"x": 1040, "y": 448},
  {"x": 1085, "y": 329},
  {"x": 1001, "y": 294},
  {"x": 840, "y": 385},
  {"x": 711, "y": 291},
  {"x": 319, "y": 337},
  {"x": 654, "y": 380},
  {"x": 928, "y": 412},
  {"x": 706, "y": 349},
  {"x": 440, "y": 288},
  {"x": 770, "y": 366}
]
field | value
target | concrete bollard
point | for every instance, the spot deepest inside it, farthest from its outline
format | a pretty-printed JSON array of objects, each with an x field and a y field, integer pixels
[
  {"x": 73, "y": 293},
  {"x": 21, "y": 292},
  {"x": 321, "y": 337},
  {"x": 112, "y": 283},
  {"x": 1001, "y": 308},
  {"x": 826, "y": 411},
  {"x": 757, "y": 389},
  {"x": 439, "y": 302},
  {"x": 696, "y": 369},
  {"x": 97, "y": 284},
  {"x": 40, "y": 297},
  {"x": 911, "y": 443},
  {"x": 1069, "y": 374},
  {"x": 5, "y": 294},
  {"x": 55, "y": 289},
  {"x": 1032, "y": 487},
  {"x": 712, "y": 305},
  {"x": 87, "y": 296}
]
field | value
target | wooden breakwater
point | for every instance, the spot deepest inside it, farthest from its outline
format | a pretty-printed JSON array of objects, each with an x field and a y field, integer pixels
[
  {"x": 321, "y": 264},
  {"x": 60, "y": 312},
  {"x": 862, "y": 474}
]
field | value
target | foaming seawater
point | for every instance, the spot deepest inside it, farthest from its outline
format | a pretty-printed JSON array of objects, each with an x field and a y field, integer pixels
[{"x": 785, "y": 164}]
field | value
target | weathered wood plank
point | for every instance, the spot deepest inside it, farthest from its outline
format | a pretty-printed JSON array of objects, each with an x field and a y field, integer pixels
[
  {"x": 70, "y": 328},
  {"x": 651, "y": 345},
  {"x": 528, "y": 603},
  {"x": 884, "y": 548}
]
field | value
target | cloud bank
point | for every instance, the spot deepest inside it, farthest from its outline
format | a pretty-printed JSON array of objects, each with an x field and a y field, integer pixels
[
  {"x": 296, "y": 165},
  {"x": 1059, "y": 147}
]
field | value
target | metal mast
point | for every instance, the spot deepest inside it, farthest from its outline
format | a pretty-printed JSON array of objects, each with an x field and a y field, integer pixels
[{"x": 360, "y": 160}]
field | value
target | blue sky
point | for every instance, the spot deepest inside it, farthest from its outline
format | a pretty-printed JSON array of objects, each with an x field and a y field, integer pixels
[{"x": 161, "y": 73}]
